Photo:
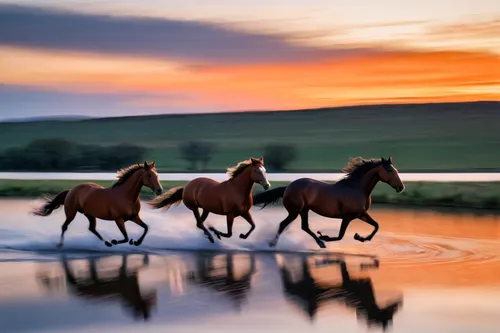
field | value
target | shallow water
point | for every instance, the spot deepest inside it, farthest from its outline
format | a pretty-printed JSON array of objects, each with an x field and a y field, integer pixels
[{"x": 424, "y": 271}]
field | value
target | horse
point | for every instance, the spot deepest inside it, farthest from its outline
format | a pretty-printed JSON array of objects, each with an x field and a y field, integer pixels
[
  {"x": 358, "y": 293},
  {"x": 123, "y": 286},
  {"x": 347, "y": 199},
  {"x": 119, "y": 203},
  {"x": 224, "y": 280},
  {"x": 231, "y": 198}
]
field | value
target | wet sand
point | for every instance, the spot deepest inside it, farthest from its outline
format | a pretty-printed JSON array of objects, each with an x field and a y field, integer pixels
[{"x": 423, "y": 272}]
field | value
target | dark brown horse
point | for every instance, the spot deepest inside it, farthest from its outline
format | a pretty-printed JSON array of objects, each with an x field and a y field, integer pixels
[
  {"x": 232, "y": 197},
  {"x": 358, "y": 293},
  {"x": 122, "y": 286},
  {"x": 119, "y": 203},
  {"x": 223, "y": 279},
  {"x": 348, "y": 199}
]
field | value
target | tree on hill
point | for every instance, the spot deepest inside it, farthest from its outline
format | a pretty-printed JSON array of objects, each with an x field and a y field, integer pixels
[
  {"x": 197, "y": 154},
  {"x": 279, "y": 156}
]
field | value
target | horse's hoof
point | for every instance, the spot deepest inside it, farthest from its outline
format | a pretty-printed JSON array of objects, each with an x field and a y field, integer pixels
[
  {"x": 59, "y": 245},
  {"x": 137, "y": 243},
  {"x": 272, "y": 244},
  {"x": 215, "y": 231},
  {"x": 131, "y": 242},
  {"x": 114, "y": 241},
  {"x": 108, "y": 244},
  {"x": 321, "y": 245},
  {"x": 211, "y": 240},
  {"x": 243, "y": 236}
]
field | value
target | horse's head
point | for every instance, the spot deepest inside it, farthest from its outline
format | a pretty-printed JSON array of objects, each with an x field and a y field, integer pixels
[
  {"x": 389, "y": 174},
  {"x": 258, "y": 173},
  {"x": 150, "y": 178}
]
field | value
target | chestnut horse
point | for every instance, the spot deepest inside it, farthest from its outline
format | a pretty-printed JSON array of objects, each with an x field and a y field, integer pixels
[
  {"x": 347, "y": 199},
  {"x": 119, "y": 203},
  {"x": 232, "y": 197}
]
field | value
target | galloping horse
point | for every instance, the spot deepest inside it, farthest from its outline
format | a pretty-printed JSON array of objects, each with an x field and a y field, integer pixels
[
  {"x": 310, "y": 294},
  {"x": 348, "y": 199},
  {"x": 120, "y": 203},
  {"x": 232, "y": 197}
]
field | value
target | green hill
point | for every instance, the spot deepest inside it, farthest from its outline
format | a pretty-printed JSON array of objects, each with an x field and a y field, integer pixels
[{"x": 420, "y": 137}]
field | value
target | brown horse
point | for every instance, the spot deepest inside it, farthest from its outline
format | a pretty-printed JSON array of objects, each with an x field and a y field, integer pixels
[
  {"x": 123, "y": 286},
  {"x": 119, "y": 203},
  {"x": 232, "y": 197},
  {"x": 348, "y": 199},
  {"x": 223, "y": 279},
  {"x": 357, "y": 293}
]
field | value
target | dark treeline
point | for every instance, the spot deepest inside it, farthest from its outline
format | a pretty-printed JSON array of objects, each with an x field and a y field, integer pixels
[{"x": 62, "y": 155}]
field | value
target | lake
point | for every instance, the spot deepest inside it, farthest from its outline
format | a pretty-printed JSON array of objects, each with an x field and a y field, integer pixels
[{"x": 424, "y": 271}]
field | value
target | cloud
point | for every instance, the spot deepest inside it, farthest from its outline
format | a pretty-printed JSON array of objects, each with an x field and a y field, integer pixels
[
  {"x": 22, "y": 101},
  {"x": 204, "y": 42},
  {"x": 489, "y": 29}
]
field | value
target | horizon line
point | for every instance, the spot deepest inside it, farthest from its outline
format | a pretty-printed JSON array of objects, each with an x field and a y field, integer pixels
[{"x": 69, "y": 117}]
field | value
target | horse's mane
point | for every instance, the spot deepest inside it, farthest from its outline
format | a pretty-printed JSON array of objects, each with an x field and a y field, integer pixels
[
  {"x": 238, "y": 169},
  {"x": 358, "y": 166},
  {"x": 124, "y": 174}
]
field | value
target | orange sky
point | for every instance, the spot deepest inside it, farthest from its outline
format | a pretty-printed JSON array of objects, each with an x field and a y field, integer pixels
[{"x": 425, "y": 61}]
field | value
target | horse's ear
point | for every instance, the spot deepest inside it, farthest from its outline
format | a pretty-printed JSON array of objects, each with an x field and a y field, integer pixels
[
  {"x": 382, "y": 159},
  {"x": 153, "y": 164},
  {"x": 254, "y": 160},
  {"x": 390, "y": 160},
  {"x": 146, "y": 165},
  {"x": 261, "y": 159}
]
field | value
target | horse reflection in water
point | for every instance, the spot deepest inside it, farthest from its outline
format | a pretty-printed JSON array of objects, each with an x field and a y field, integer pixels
[
  {"x": 357, "y": 293},
  {"x": 223, "y": 278},
  {"x": 122, "y": 286}
]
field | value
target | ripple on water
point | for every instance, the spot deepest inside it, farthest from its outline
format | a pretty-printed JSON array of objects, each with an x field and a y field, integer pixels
[{"x": 412, "y": 250}]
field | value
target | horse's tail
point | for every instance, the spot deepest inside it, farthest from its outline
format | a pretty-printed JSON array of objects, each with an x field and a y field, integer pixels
[
  {"x": 167, "y": 199},
  {"x": 269, "y": 197},
  {"x": 51, "y": 204}
]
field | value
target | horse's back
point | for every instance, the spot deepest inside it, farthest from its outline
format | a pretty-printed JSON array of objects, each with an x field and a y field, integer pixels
[
  {"x": 198, "y": 189},
  {"x": 200, "y": 184},
  {"x": 81, "y": 191},
  {"x": 305, "y": 186}
]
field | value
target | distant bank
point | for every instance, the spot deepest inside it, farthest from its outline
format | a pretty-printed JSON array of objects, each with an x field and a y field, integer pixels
[{"x": 281, "y": 177}]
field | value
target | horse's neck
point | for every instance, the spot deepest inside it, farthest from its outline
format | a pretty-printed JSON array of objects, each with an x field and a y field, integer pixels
[
  {"x": 243, "y": 182},
  {"x": 132, "y": 187},
  {"x": 368, "y": 181}
]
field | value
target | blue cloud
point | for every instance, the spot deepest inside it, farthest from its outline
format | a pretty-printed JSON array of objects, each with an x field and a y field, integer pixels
[{"x": 201, "y": 42}]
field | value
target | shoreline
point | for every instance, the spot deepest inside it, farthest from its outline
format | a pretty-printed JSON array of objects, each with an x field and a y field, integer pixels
[{"x": 484, "y": 196}]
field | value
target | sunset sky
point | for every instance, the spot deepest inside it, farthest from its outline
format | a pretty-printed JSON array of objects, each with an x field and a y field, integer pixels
[{"x": 112, "y": 58}]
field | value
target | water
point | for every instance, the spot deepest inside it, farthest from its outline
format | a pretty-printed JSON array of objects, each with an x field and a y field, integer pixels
[
  {"x": 424, "y": 271},
  {"x": 409, "y": 177}
]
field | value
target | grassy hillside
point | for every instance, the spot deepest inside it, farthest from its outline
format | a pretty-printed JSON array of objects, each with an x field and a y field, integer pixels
[{"x": 421, "y": 137}]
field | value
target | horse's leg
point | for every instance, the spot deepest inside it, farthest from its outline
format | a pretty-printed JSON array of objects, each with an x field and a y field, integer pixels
[
  {"x": 248, "y": 217},
  {"x": 199, "y": 224},
  {"x": 229, "y": 233},
  {"x": 68, "y": 273},
  {"x": 123, "y": 267},
  {"x": 92, "y": 225},
  {"x": 204, "y": 215},
  {"x": 93, "y": 270},
  {"x": 120, "y": 223},
  {"x": 137, "y": 220},
  {"x": 305, "y": 226},
  {"x": 368, "y": 219},
  {"x": 70, "y": 216},
  {"x": 343, "y": 227},
  {"x": 289, "y": 219}
]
